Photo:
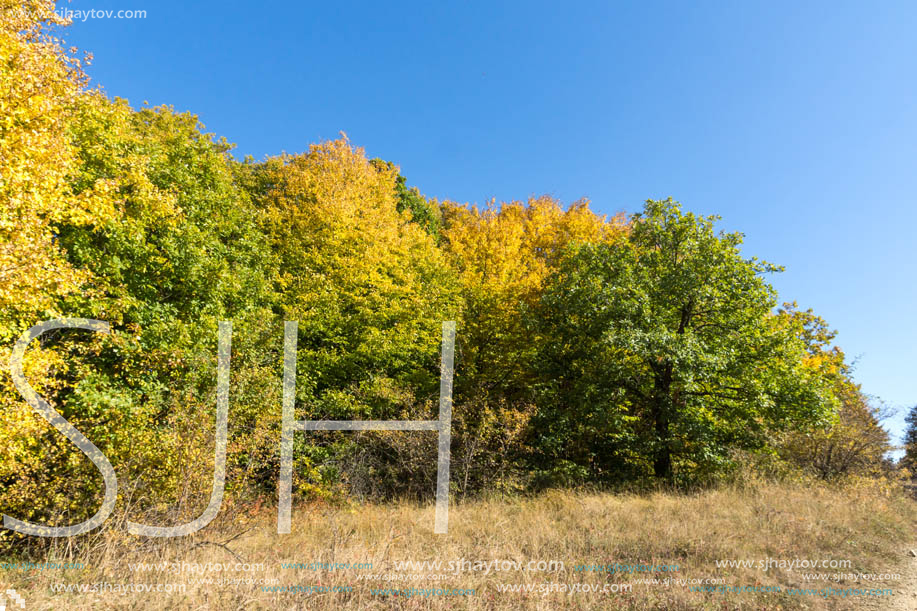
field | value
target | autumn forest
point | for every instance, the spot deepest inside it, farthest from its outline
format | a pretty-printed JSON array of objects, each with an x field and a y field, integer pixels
[{"x": 604, "y": 351}]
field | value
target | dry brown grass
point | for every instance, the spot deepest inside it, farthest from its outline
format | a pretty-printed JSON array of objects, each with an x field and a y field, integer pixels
[{"x": 867, "y": 524}]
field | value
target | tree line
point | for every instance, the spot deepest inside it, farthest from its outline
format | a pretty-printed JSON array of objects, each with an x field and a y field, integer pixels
[{"x": 590, "y": 349}]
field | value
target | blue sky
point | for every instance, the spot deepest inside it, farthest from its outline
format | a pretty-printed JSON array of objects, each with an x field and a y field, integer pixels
[{"x": 796, "y": 122}]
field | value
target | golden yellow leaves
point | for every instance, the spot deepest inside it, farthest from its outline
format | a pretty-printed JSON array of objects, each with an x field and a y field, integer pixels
[
  {"x": 334, "y": 218},
  {"x": 512, "y": 247},
  {"x": 39, "y": 85}
]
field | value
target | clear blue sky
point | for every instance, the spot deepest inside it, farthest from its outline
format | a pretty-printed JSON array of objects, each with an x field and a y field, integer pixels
[{"x": 797, "y": 123}]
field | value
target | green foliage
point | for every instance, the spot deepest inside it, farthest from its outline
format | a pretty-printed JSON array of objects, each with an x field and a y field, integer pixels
[
  {"x": 855, "y": 444},
  {"x": 422, "y": 211},
  {"x": 851, "y": 443},
  {"x": 590, "y": 350},
  {"x": 660, "y": 353},
  {"x": 910, "y": 441},
  {"x": 368, "y": 287},
  {"x": 181, "y": 253}
]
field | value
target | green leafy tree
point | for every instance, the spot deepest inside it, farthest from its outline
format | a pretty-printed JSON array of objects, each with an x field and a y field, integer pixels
[
  {"x": 503, "y": 254},
  {"x": 661, "y": 353},
  {"x": 370, "y": 290},
  {"x": 182, "y": 252},
  {"x": 853, "y": 442},
  {"x": 910, "y": 440}
]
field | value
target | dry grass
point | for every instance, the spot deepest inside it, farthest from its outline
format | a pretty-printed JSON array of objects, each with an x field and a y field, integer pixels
[{"x": 868, "y": 525}]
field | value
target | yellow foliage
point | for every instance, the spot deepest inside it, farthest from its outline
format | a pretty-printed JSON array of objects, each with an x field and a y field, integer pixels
[
  {"x": 334, "y": 216},
  {"x": 39, "y": 85},
  {"x": 510, "y": 249},
  {"x": 369, "y": 288},
  {"x": 23, "y": 433},
  {"x": 503, "y": 255}
]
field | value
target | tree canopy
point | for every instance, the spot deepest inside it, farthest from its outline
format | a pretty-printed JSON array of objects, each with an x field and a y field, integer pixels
[{"x": 591, "y": 349}]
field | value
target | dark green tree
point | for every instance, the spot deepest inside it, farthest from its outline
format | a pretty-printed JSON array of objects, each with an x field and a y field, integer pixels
[
  {"x": 661, "y": 353},
  {"x": 910, "y": 440}
]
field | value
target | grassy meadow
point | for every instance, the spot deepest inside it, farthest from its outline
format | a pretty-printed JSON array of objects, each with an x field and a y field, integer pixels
[{"x": 869, "y": 525}]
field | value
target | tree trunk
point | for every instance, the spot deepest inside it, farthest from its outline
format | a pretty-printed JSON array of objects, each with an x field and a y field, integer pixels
[
  {"x": 662, "y": 455},
  {"x": 665, "y": 404}
]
